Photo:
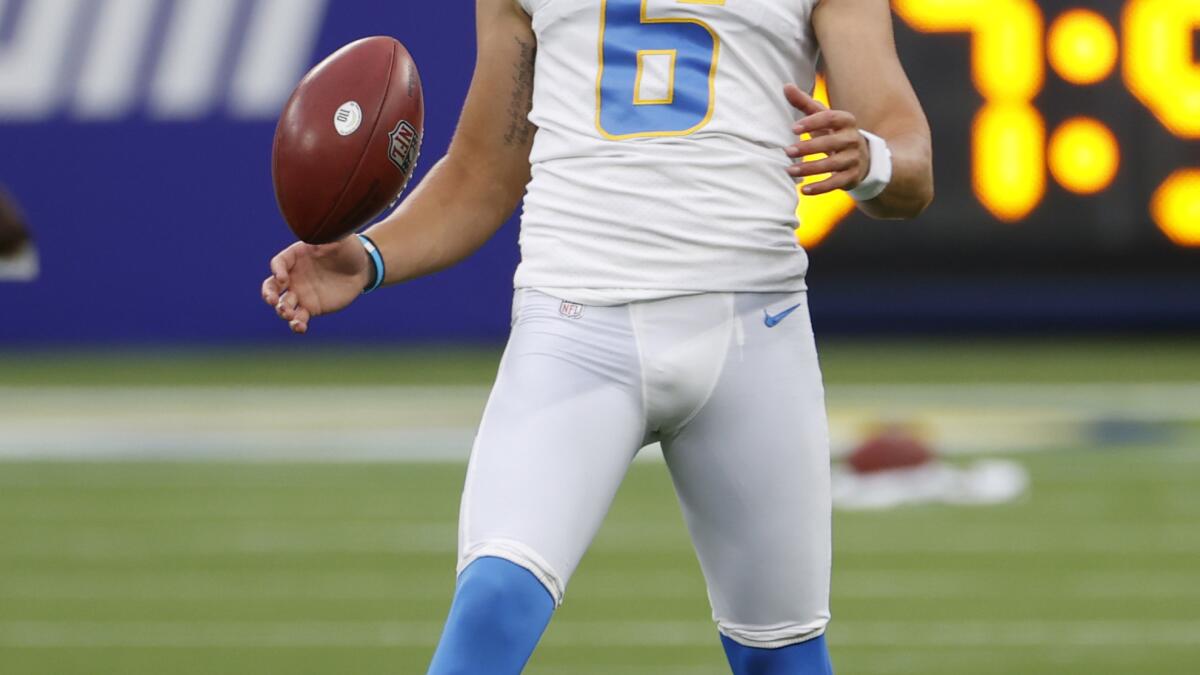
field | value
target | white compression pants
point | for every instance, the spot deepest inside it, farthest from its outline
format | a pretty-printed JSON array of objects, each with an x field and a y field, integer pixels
[{"x": 738, "y": 405}]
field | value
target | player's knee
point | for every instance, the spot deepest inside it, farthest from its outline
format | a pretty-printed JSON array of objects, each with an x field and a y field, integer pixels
[
  {"x": 810, "y": 657},
  {"x": 520, "y": 557},
  {"x": 799, "y": 629},
  {"x": 501, "y": 594}
]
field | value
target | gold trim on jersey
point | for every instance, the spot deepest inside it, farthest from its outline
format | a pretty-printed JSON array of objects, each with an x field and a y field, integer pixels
[{"x": 641, "y": 68}]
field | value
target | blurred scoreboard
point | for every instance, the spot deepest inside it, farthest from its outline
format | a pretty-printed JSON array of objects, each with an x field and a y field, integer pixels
[{"x": 1066, "y": 142}]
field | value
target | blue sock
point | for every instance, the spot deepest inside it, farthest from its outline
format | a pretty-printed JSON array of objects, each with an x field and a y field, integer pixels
[
  {"x": 806, "y": 658},
  {"x": 499, "y": 613}
]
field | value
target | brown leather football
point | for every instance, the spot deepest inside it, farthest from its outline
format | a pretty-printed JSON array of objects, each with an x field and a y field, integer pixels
[{"x": 348, "y": 140}]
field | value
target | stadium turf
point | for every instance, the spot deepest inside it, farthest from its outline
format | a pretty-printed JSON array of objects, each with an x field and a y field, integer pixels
[
  {"x": 273, "y": 567},
  {"x": 292, "y": 568}
]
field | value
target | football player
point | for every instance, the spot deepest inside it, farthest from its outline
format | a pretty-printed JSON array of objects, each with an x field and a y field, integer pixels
[{"x": 660, "y": 295}]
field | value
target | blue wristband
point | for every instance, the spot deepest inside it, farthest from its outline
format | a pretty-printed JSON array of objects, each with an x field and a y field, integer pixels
[{"x": 378, "y": 271}]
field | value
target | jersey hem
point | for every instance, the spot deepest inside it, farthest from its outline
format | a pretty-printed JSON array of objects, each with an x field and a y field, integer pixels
[
  {"x": 611, "y": 297},
  {"x": 772, "y": 638}
]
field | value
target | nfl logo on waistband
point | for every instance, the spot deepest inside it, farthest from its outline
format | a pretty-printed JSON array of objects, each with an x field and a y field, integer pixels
[{"x": 570, "y": 310}]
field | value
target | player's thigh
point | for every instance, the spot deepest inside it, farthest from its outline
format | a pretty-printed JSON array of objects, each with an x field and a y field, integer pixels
[
  {"x": 562, "y": 424},
  {"x": 752, "y": 474}
]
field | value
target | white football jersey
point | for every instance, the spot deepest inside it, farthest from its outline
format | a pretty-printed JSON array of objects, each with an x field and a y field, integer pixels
[{"x": 658, "y": 165}]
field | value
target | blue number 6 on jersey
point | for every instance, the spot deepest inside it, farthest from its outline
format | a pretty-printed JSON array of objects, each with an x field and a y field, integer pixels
[{"x": 682, "y": 51}]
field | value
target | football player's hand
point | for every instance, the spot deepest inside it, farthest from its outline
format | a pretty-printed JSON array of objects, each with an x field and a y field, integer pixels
[
  {"x": 307, "y": 281},
  {"x": 834, "y": 133}
]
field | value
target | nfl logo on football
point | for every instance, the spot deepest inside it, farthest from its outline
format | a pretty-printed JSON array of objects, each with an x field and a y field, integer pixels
[
  {"x": 571, "y": 310},
  {"x": 405, "y": 144}
]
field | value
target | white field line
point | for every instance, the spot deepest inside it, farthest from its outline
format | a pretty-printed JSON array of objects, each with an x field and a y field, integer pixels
[
  {"x": 1033, "y": 633},
  {"x": 404, "y": 423},
  {"x": 941, "y": 585},
  {"x": 935, "y": 585},
  {"x": 249, "y": 538}
]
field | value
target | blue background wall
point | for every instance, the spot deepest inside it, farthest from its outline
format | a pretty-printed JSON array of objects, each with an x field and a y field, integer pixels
[{"x": 161, "y": 231}]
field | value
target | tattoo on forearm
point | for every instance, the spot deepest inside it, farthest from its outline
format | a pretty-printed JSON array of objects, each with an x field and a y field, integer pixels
[{"x": 520, "y": 129}]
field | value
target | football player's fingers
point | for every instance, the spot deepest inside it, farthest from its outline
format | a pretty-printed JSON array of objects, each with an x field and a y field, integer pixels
[
  {"x": 299, "y": 322},
  {"x": 813, "y": 133},
  {"x": 830, "y": 164},
  {"x": 280, "y": 266},
  {"x": 826, "y": 119},
  {"x": 837, "y": 181},
  {"x": 801, "y": 101},
  {"x": 290, "y": 299},
  {"x": 270, "y": 291},
  {"x": 286, "y": 307},
  {"x": 824, "y": 144}
]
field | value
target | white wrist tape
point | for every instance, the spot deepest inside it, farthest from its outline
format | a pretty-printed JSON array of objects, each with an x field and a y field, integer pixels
[{"x": 880, "y": 173}]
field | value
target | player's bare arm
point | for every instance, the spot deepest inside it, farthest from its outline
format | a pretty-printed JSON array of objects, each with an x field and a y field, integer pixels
[
  {"x": 869, "y": 91},
  {"x": 473, "y": 190},
  {"x": 459, "y": 205}
]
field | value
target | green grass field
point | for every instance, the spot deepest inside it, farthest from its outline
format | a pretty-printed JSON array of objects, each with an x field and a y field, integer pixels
[{"x": 251, "y": 568}]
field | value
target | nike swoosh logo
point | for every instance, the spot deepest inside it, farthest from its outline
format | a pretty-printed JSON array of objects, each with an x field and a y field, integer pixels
[{"x": 775, "y": 320}]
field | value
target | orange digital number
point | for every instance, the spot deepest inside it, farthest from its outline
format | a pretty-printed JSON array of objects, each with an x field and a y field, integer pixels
[
  {"x": 1008, "y": 65},
  {"x": 1161, "y": 71},
  {"x": 1159, "y": 65}
]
